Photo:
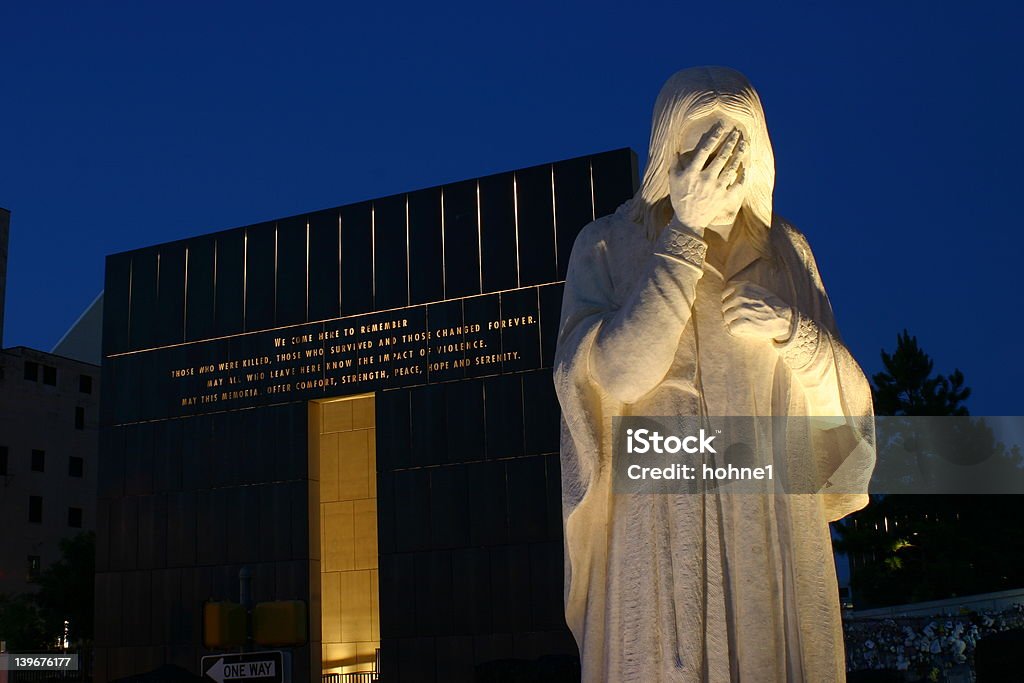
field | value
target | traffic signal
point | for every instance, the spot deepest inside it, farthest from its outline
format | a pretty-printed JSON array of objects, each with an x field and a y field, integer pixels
[
  {"x": 280, "y": 623},
  {"x": 223, "y": 625}
]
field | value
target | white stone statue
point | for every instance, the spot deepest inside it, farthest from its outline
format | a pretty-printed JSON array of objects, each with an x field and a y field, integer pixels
[{"x": 693, "y": 298}]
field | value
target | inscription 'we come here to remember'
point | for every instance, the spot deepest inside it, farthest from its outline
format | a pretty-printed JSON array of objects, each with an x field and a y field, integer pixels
[{"x": 344, "y": 356}]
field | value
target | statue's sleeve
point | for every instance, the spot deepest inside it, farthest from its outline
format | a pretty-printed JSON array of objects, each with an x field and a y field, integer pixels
[
  {"x": 833, "y": 389},
  {"x": 636, "y": 341},
  {"x": 810, "y": 353},
  {"x": 616, "y": 340},
  {"x": 612, "y": 347}
]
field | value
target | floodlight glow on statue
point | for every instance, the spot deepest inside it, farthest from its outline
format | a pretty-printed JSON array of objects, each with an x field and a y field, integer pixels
[{"x": 693, "y": 298}]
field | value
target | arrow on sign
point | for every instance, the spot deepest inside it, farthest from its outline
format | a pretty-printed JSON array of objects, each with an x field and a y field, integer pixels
[{"x": 216, "y": 672}]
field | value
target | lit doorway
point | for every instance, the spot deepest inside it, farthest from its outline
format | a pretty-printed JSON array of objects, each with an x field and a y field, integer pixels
[{"x": 343, "y": 435}]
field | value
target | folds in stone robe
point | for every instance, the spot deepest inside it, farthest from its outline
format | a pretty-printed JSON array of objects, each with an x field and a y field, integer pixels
[{"x": 708, "y": 586}]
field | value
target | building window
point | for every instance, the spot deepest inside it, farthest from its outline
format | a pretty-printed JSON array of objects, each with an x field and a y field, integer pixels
[
  {"x": 85, "y": 384},
  {"x": 75, "y": 517},
  {"x": 35, "y": 509},
  {"x": 75, "y": 466},
  {"x": 35, "y": 564},
  {"x": 79, "y": 417},
  {"x": 38, "y": 461},
  {"x": 35, "y": 372},
  {"x": 3, "y": 460}
]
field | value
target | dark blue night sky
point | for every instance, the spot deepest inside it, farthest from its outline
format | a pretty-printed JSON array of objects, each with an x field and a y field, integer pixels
[{"x": 896, "y": 129}]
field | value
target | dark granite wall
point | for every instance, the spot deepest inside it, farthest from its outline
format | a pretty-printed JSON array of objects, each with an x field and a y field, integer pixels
[
  {"x": 470, "y": 525},
  {"x": 468, "y": 477},
  {"x": 183, "y": 505}
]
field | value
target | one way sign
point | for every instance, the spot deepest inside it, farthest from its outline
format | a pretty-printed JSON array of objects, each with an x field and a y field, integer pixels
[{"x": 251, "y": 667}]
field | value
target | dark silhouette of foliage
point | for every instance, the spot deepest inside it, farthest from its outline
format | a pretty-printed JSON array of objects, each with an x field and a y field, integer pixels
[
  {"x": 66, "y": 588},
  {"x": 21, "y": 624},
  {"x": 907, "y": 386},
  {"x": 33, "y": 622},
  {"x": 909, "y": 548}
]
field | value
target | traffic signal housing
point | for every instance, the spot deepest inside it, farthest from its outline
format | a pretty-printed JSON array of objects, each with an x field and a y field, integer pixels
[{"x": 280, "y": 623}]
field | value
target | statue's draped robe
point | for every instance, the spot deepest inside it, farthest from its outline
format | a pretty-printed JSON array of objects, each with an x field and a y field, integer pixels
[{"x": 708, "y": 586}]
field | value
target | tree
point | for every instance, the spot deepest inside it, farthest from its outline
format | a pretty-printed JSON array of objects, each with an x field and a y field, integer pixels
[
  {"x": 907, "y": 548},
  {"x": 21, "y": 624},
  {"x": 907, "y": 386},
  {"x": 66, "y": 588}
]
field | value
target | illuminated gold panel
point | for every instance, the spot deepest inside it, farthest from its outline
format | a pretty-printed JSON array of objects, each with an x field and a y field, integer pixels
[
  {"x": 328, "y": 467},
  {"x": 338, "y": 416},
  {"x": 354, "y": 476},
  {"x": 364, "y": 514},
  {"x": 330, "y": 596},
  {"x": 345, "y": 441},
  {"x": 339, "y": 535},
  {"x": 363, "y": 414},
  {"x": 355, "y": 606}
]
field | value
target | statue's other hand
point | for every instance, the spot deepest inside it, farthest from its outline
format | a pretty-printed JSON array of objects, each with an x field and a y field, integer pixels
[
  {"x": 704, "y": 182},
  {"x": 750, "y": 310}
]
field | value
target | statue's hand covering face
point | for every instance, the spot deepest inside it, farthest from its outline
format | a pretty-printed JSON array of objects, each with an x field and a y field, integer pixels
[
  {"x": 705, "y": 186},
  {"x": 660, "y": 318},
  {"x": 690, "y": 104}
]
